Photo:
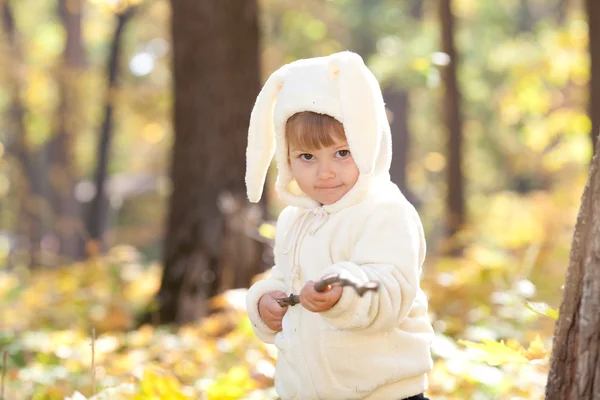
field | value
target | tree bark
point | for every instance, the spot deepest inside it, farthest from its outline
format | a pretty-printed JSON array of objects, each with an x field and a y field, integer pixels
[
  {"x": 575, "y": 361},
  {"x": 454, "y": 179},
  {"x": 216, "y": 80},
  {"x": 593, "y": 12},
  {"x": 98, "y": 208}
]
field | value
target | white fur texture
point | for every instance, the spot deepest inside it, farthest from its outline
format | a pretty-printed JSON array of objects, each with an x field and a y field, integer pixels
[
  {"x": 359, "y": 99},
  {"x": 261, "y": 137},
  {"x": 339, "y": 85}
]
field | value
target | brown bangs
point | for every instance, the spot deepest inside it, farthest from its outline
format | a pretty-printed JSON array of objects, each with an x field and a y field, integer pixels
[{"x": 308, "y": 130}]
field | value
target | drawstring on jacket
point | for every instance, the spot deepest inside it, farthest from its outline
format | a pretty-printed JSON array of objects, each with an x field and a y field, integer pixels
[{"x": 309, "y": 221}]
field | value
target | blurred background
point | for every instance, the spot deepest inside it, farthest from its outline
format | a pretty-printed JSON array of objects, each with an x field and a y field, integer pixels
[{"x": 126, "y": 240}]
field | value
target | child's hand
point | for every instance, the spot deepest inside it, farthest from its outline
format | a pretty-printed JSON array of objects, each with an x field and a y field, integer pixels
[
  {"x": 319, "y": 301},
  {"x": 270, "y": 311}
]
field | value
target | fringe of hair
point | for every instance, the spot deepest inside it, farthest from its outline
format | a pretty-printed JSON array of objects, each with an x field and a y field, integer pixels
[{"x": 308, "y": 130}]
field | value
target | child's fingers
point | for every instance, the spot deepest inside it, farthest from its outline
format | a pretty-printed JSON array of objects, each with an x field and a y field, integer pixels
[
  {"x": 330, "y": 297},
  {"x": 274, "y": 321},
  {"x": 276, "y": 309},
  {"x": 332, "y": 291},
  {"x": 279, "y": 311}
]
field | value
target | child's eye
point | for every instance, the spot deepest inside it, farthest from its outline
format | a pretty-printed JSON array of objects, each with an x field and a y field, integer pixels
[
  {"x": 306, "y": 156},
  {"x": 343, "y": 153}
]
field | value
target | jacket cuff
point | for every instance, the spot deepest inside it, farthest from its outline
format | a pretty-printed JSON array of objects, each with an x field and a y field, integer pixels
[{"x": 262, "y": 331}]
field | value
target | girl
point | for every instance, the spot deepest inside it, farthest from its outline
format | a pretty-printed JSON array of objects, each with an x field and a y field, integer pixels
[{"x": 324, "y": 120}]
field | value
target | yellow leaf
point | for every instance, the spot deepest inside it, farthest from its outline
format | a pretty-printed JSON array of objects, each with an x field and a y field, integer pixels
[
  {"x": 497, "y": 353},
  {"x": 148, "y": 378},
  {"x": 537, "y": 350},
  {"x": 542, "y": 309},
  {"x": 234, "y": 385}
]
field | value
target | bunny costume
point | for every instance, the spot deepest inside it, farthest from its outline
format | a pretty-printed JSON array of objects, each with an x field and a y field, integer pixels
[{"x": 376, "y": 346}]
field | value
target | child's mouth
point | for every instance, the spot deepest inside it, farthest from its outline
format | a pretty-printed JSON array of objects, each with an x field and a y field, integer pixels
[{"x": 329, "y": 187}]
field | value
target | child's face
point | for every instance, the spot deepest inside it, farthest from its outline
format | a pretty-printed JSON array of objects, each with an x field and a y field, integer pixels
[{"x": 325, "y": 175}]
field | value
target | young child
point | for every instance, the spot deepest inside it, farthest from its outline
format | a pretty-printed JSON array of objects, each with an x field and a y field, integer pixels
[{"x": 325, "y": 121}]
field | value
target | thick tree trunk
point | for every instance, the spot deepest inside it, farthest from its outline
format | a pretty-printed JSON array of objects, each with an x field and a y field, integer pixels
[
  {"x": 216, "y": 80},
  {"x": 454, "y": 178},
  {"x": 97, "y": 213},
  {"x": 575, "y": 362},
  {"x": 593, "y": 11}
]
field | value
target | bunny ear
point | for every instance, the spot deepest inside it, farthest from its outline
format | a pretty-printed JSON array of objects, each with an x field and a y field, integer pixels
[
  {"x": 261, "y": 137},
  {"x": 360, "y": 99}
]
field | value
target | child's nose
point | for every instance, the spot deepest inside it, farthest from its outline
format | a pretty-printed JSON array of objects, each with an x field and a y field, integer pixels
[{"x": 325, "y": 171}]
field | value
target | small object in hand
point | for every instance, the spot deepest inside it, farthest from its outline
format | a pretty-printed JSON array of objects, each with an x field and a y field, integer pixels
[
  {"x": 291, "y": 300},
  {"x": 320, "y": 286}
]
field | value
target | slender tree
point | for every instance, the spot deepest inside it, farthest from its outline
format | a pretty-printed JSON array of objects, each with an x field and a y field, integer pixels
[
  {"x": 397, "y": 98},
  {"x": 526, "y": 20},
  {"x": 31, "y": 189},
  {"x": 97, "y": 212},
  {"x": 61, "y": 167},
  {"x": 216, "y": 80},
  {"x": 455, "y": 201},
  {"x": 398, "y": 101}
]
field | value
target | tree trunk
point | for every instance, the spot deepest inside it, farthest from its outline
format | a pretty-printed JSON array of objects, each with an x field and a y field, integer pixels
[
  {"x": 454, "y": 178},
  {"x": 61, "y": 169},
  {"x": 30, "y": 223},
  {"x": 593, "y": 11},
  {"x": 526, "y": 20},
  {"x": 562, "y": 8},
  {"x": 575, "y": 361},
  {"x": 70, "y": 13},
  {"x": 416, "y": 9},
  {"x": 98, "y": 208},
  {"x": 216, "y": 80},
  {"x": 364, "y": 42},
  {"x": 397, "y": 101}
]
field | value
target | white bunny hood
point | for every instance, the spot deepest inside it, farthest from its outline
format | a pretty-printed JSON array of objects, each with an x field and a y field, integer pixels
[{"x": 340, "y": 86}]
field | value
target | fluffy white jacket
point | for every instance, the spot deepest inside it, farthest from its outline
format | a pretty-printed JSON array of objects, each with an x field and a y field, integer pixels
[{"x": 375, "y": 346}]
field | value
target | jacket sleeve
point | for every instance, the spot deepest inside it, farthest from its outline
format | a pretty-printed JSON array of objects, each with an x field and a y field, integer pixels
[
  {"x": 275, "y": 282},
  {"x": 390, "y": 249}
]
